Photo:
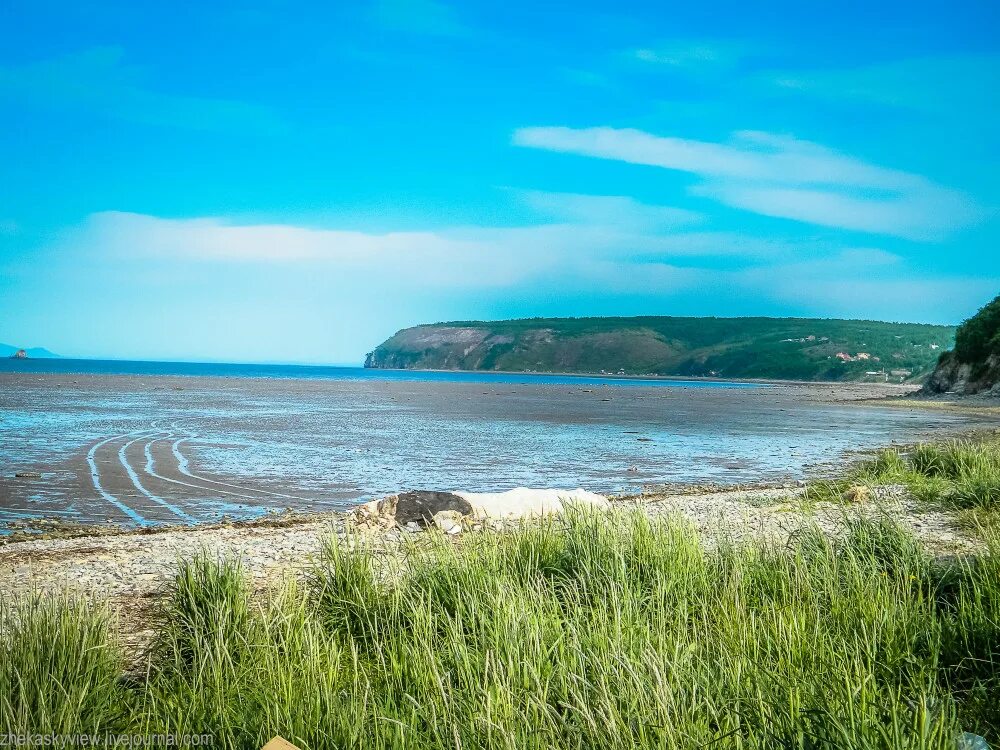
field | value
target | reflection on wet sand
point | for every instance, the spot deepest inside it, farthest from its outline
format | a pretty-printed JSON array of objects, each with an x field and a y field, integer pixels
[{"x": 160, "y": 449}]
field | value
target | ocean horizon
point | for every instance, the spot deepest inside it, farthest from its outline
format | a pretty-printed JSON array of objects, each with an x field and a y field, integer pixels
[{"x": 65, "y": 365}]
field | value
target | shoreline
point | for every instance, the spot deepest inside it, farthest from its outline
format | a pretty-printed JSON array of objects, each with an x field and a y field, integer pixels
[
  {"x": 53, "y": 528},
  {"x": 132, "y": 570},
  {"x": 910, "y": 386},
  {"x": 155, "y": 469}
]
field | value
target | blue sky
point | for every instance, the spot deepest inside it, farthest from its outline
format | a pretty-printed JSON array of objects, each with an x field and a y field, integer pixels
[{"x": 263, "y": 182}]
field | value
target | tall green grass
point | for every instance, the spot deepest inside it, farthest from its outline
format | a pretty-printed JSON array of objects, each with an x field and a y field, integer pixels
[
  {"x": 594, "y": 631},
  {"x": 961, "y": 474},
  {"x": 60, "y": 667}
]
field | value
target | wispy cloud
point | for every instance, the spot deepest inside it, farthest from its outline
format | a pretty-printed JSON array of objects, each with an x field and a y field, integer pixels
[
  {"x": 868, "y": 283},
  {"x": 692, "y": 56},
  {"x": 611, "y": 210},
  {"x": 780, "y": 176},
  {"x": 429, "y": 17},
  {"x": 584, "y": 226},
  {"x": 572, "y": 260},
  {"x": 99, "y": 80}
]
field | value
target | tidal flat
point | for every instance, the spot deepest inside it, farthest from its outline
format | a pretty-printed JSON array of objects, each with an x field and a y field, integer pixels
[{"x": 149, "y": 447}]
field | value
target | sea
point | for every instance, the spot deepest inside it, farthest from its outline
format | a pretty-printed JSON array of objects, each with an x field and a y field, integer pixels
[{"x": 149, "y": 443}]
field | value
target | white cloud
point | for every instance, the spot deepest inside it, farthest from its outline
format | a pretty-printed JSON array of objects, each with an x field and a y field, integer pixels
[
  {"x": 597, "y": 251},
  {"x": 691, "y": 55},
  {"x": 867, "y": 283},
  {"x": 611, "y": 210},
  {"x": 426, "y": 257},
  {"x": 780, "y": 176},
  {"x": 229, "y": 270}
]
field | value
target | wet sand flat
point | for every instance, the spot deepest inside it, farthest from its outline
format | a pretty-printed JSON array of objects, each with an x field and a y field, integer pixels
[{"x": 148, "y": 449}]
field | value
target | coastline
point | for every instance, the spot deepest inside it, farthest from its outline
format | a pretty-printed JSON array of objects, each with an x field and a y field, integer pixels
[{"x": 132, "y": 570}]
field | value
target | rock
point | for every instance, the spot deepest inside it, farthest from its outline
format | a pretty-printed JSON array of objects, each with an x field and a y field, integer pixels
[
  {"x": 525, "y": 503},
  {"x": 449, "y": 521},
  {"x": 420, "y": 506},
  {"x": 970, "y": 741}
]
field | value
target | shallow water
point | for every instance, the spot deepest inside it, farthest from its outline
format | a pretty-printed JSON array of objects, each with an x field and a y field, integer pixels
[{"x": 166, "y": 443}]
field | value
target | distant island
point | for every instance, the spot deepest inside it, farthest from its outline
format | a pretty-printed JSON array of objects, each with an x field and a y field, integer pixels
[
  {"x": 16, "y": 352},
  {"x": 973, "y": 366},
  {"x": 773, "y": 348}
]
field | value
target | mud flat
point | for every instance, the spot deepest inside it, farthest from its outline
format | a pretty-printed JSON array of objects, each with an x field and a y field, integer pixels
[{"x": 156, "y": 450}]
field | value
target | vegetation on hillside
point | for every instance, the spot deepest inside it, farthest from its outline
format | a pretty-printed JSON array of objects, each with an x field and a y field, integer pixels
[
  {"x": 974, "y": 365},
  {"x": 783, "y": 348},
  {"x": 591, "y": 632},
  {"x": 979, "y": 337}
]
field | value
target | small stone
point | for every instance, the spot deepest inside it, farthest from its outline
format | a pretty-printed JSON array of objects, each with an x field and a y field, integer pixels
[{"x": 449, "y": 521}]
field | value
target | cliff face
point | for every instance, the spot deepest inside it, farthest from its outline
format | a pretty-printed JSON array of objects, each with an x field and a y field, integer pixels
[
  {"x": 974, "y": 365},
  {"x": 952, "y": 376},
  {"x": 782, "y": 348}
]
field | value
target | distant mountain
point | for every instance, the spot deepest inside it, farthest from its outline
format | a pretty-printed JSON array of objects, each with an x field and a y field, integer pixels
[
  {"x": 974, "y": 364},
  {"x": 779, "y": 348},
  {"x": 6, "y": 350}
]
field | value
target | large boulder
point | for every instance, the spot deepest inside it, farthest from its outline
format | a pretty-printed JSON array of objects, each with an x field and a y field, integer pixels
[
  {"x": 420, "y": 506},
  {"x": 447, "y": 510},
  {"x": 526, "y": 503}
]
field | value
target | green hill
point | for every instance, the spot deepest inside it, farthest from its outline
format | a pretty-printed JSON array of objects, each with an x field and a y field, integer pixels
[
  {"x": 974, "y": 365},
  {"x": 780, "y": 348}
]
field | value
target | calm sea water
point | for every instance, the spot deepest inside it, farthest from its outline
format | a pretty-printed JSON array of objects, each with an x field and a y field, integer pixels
[
  {"x": 331, "y": 372},
  {"x": 157, "y": 442}
]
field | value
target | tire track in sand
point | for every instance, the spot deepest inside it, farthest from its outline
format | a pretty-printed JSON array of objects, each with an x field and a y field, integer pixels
[
  {"x": 95, "y": 477},
  {"x": 138, "y": 483},
  {"x": 182, "y": 467},
  {"x": 151, "y": 470}
]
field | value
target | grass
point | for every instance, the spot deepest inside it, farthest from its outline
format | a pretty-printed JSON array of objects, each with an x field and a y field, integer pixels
[
  {"x": 598, "y": 631},
  {"x": 962, "y": 475}
]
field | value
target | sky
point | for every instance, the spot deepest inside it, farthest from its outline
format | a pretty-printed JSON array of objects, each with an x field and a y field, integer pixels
[{"x": 280, "y": 182}]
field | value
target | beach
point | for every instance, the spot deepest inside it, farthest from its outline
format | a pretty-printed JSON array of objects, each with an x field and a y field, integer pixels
[{"x": 147, "y": 449}]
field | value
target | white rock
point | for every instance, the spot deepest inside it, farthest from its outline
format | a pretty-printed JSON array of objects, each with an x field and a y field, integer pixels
[
  {"x": 524, "y": 503},
  {"x": 449, "y": 521}
]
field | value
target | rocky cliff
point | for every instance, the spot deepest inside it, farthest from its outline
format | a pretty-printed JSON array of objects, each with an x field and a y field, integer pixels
[
  {"x": 973, "y": 367},
  {"x": 952, "y": 376}
]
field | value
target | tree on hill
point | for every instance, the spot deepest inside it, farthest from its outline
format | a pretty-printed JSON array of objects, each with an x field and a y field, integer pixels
[{"x": 979, "y": 336}]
